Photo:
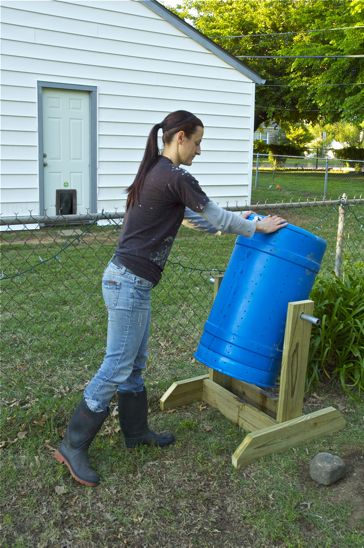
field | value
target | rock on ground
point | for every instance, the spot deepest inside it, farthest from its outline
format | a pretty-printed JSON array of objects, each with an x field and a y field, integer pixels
[{"x": 326, "y": 468}]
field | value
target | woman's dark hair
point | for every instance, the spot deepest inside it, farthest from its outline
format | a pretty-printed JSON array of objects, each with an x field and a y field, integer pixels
[{"x": 180, "y": 120}]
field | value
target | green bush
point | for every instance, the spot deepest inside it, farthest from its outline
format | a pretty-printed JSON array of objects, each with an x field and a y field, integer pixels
[
  {"x": 350, "y": 153},
  {"x": 285, "y": 149},
  {"x": 261, "y": 147},
  {"x": 337, "y": 347},
  {"x": 277, "y": 151}
]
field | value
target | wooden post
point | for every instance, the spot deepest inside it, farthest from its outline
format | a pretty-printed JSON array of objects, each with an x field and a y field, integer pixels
[
  {"x": 217, "y": 282},
  {"x": 294, "y": 361},
  {"x": 340, "y": 237}
]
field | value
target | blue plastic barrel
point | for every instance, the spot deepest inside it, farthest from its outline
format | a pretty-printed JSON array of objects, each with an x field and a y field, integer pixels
[{"x": 243, "y": 336}]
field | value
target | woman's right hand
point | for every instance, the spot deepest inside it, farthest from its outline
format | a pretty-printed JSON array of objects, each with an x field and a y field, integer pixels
[{"x": 270, "y": 224}]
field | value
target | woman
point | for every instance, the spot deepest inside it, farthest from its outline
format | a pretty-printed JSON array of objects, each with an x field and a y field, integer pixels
[{"x": 155, "y": 210}]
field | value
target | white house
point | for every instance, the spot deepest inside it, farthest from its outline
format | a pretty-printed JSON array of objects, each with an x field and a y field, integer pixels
[{"x": 82, "y": 84}]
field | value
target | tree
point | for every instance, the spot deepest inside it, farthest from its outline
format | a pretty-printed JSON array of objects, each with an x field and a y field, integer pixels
[
  {"x": 348, "y": 134},
  {"x": 297, "y": 90},
  {"x": 297, "y": 133},
  {"x": 320, "y": 139}
]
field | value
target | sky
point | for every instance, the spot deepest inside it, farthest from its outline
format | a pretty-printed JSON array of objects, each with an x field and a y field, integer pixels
[{"x": 170, "y": 3}]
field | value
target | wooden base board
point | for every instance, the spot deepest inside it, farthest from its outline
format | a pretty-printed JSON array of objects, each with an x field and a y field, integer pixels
[
  {"x": 233, "y": 408},
  {"x": 250, "y": 393},
  {"x": 266, "y": 434},
  {"x": 287, "y": 434},
  {"x": 229, "y": 404},
  {"x": 183, "y": 393}
]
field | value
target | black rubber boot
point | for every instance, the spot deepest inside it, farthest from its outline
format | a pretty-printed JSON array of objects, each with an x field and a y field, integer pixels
[
  {"x": 133, "y": 417},
  {"x": 79, "y": 435}
]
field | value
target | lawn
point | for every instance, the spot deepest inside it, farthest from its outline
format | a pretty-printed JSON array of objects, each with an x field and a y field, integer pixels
[
  {"x": 53, "y": 326},
  {"x": 284, "y": 186}
]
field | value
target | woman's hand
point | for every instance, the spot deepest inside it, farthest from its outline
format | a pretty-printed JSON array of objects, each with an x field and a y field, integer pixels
[{"x": 270, "y": 224}]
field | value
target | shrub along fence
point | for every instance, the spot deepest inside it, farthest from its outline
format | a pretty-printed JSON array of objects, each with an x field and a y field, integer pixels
[{"x": 52, "y": 267}]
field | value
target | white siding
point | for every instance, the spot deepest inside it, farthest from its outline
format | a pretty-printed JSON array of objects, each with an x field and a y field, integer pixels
[{"x": 143, "y": 68}]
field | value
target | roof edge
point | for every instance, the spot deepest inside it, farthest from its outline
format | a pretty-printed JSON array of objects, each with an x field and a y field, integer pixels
[{"x": 203, "y": 40}]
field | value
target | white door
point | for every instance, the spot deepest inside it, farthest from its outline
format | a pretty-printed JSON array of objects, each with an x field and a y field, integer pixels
[{"x": 66, "y": 146}]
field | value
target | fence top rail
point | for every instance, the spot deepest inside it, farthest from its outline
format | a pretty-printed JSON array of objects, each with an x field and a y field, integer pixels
[
  {"x": 308, "y": 158},
  {"x": 109, "y": 216},
  {"x": 292, "y": 205},
  {"x": 59, "y": 219}
]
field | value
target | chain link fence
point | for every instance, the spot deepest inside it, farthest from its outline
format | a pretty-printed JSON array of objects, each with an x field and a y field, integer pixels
[
  {"x": 51, "y": 273},
  {"x": 307, "y": 176}
]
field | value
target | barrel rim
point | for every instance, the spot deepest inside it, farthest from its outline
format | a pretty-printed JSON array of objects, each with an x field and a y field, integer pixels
[
  {"x": 294, "y": 228},
  {"x": 281, "y": 253}
]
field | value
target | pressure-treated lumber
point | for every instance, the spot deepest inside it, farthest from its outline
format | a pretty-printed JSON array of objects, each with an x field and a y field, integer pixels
[
  {"x": 294, "y": 361},
  {"x": 287, "y": 434},
  {"x": 248, "y": 392},
  {"x": 183, "y": 392},
  {"x": 275, "y": 424},
  {"x": 232, "y": 407},
  {"x": 256, "y": 396}
]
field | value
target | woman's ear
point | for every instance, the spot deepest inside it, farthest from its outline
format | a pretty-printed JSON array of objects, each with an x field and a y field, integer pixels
[{"x": 180, "y": 137}]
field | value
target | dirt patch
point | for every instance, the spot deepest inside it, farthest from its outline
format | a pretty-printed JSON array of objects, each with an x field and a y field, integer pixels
[{"x": 349, "y": 490}]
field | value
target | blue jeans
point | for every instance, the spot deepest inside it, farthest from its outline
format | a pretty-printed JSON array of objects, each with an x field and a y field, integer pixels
[{"x": 127, "y": 298}]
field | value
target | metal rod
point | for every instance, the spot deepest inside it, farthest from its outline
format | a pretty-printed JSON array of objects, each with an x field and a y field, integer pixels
[
  {"x": 326, "y": 177},
  {"x": 311, "y": 319},
  {"x": 40, "y": 219},
  {"x": 59, "y": 219},
  {"x": 256, "y": 171}
]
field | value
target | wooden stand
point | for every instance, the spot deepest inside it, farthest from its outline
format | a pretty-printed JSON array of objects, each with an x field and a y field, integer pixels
[{"x": 274, "y": 424}]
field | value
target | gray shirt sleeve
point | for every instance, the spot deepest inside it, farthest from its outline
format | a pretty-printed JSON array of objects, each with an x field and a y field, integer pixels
[
  {"x": 227, "y": 221},
  {"x": 195, "y": 221}
]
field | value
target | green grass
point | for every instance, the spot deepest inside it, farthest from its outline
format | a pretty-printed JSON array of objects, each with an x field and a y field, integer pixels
[
  {"x": 295, "y": 186},
  {"x": 185, "y": 495},
  {"x": 53, "y": 327}
]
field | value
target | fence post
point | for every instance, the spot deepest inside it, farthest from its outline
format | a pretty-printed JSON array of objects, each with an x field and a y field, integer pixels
[
  {"x": 217, "y": 282},
  {"x": 256, "y": 171},
  {"x": 340, "y": 237},
  {"x": 326, "y": 177}
]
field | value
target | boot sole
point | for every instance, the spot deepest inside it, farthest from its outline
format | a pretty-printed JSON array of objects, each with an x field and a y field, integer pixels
[
  {"x": 60, "y": 458},
  {"x": 135, "y": 444}
]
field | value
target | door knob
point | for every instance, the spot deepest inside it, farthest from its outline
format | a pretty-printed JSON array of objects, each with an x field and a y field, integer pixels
[{"x": 45, "y": 163}]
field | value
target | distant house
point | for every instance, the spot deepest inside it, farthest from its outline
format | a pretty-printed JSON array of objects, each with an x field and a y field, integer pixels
[
  {"x": 82, "y": 84},
  {"x": 269, "y": 133}
]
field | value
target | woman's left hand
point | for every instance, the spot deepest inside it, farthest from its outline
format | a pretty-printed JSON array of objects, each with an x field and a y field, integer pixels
[
  {"x": 270, "y": 223},
  {"x": 246, "y": 214}
]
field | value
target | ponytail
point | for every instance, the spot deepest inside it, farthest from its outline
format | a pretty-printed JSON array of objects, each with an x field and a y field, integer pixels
[
  {"x": 180, "y": 120},
  {"x": 151, "y": 155}
]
